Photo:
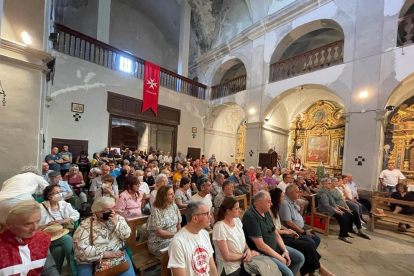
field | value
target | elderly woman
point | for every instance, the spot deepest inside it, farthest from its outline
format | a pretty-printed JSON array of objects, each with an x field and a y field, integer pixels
[
  {"x": 291, "y": 238},
  {"x": 101, "y": 236},
  {"x": 268, "y": 178},
  {"x": 342, "y": 205},
  {"x": 259, "y": 184},
  {"x": 402, "y": 194},
  {"x": 55, "y": 210},
  {"x": 160, "y": 181},
  {"x": 20, "y": 238},
  {"x": 129, "y": 203},
  {"x": 74, "y": 179},
  {"x": 164, "y": 221},
  {"x": 183, "y": 194},
  {"x": 327, "y": 205}
]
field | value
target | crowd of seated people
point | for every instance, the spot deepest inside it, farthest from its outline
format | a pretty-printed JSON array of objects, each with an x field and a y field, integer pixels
[{"x": 125, "y": 186}]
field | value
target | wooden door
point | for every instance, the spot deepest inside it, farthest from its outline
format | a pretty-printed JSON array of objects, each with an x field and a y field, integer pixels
[
  {"x": 75, "y": 146},
  {"x": 195, "y": 153},
  {"x": 124, "y": 137},
  {"x": 268, "y": 160}
]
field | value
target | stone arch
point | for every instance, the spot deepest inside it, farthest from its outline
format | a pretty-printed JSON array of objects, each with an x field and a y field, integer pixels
[
  {"x": 229, "y": 69},
  {"x": 406, "y": 8},
  {"x": 222, "y": 127},
  {"x": 317, "y": 27},
  {"x": 295, "y": 100},
  {"x": 405, "y": 28},
  {"x": 403, "y": 91}
]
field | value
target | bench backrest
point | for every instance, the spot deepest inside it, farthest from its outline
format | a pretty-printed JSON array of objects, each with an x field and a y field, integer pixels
[
  {"x": 132, "y": 240},
  {"x": 242, "y": 198}
]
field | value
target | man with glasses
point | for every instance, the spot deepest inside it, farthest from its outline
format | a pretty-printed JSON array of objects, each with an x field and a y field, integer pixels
[
  {"x": 190, "y": 251},
  {"x": 287, "y": 179},
  {"x": 262, "y": 236}
]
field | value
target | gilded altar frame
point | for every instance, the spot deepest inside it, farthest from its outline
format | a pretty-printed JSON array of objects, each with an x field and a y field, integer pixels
[{"x": 321, "y": 125}]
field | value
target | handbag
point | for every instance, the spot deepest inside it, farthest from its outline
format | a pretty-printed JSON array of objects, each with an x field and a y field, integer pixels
[
  {"x": 70, "y": 225},
  {"x": 108, "y": 267}
]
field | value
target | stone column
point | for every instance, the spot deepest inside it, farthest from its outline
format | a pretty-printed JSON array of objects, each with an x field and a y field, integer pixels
[
  {"x": 104, "y": 20},
  {"x": 184, "y": 46},
  {"x": 251, "y": 153}
]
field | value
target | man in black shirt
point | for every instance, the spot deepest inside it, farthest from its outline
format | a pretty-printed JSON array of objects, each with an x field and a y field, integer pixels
[
  {"x": 148, "y": 178},
  {"x": 130, "y": 157},
  {"x": 196, "y": 176},
  {"x": 262, "y": 236},
  {"x": 106, "y": 155}
]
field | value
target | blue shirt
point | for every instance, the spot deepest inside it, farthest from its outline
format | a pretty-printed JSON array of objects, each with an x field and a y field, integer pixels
[
  {"x": 115, "y": 173},
  {"x": 233, "y": 179},
  {"x": 289, "y": 211},
  {"x": 205, "y": 170},
  {"x": 65, "y": 166},
  {"x": 64, "y": 186},
  {"x": 53, "y": 166}
]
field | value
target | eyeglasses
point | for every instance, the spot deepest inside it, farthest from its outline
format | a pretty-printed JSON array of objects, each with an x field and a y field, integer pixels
[{"x": 201, "y": 214}]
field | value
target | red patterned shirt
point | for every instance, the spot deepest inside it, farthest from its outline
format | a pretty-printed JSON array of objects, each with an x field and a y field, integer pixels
[{"x": 23, "y": 256}]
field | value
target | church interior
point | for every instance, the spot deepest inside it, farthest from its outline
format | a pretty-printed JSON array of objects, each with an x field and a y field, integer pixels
[{"x": 324, "y": 87}]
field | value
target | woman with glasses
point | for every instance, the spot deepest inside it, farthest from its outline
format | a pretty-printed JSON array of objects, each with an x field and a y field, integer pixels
[
  {"x": 55, "y": 210},
  {"x": 101, "y": 236},
  {"x": 129, "y": 202},
  {"x": 164, "y": 221}
]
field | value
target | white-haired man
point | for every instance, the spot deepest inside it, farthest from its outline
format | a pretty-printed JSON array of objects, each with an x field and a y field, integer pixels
[
  {"x": 20, "y": 187},
  {"x": 190, "y": 251}
]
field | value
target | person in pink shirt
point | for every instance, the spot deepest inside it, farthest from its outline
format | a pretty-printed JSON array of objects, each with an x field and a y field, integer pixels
[
  {"x": 252, "y": 173},
  {"x": 269, "y": 179},
  {"x": 259, "y": 184},
  {"x": 129, "y": 204}
]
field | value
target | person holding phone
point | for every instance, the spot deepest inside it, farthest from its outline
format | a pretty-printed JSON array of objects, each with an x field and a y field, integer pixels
[{"x": 101, "y": 236}]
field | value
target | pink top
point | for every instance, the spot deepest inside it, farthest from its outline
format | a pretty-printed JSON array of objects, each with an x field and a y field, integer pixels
[
  {"x": 127, "y": 207},
  {"x": 259, "y": 185},
  {"x": 252, "y": 176}
]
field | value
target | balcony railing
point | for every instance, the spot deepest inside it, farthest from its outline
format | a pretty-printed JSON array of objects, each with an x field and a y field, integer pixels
[
  {"x": 317, "y": 59},
  {"x": 232, "y": 86},
  {"x": 406, "y": 30},
  {"x": 78, "y": 45}
]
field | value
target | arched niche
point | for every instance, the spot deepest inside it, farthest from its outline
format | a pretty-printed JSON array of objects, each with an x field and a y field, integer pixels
[
  {"x": 307, "y": 37},
  {"x": 229, "y": 78},
  {"x": 403, "y": 91}
]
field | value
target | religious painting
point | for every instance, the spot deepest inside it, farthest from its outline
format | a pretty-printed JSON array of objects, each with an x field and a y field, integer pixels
[
  {"x": 318, "y": 149},
  {"x": 76, "y": 107}
]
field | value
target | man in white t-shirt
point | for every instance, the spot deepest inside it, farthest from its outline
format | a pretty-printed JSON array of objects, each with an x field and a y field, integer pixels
[
  {"x": 203, "y": 195},
  {"x": 287, "y": 179},
  {"x": 190, "y": 251},
  {"x": 390, "y": 177}
]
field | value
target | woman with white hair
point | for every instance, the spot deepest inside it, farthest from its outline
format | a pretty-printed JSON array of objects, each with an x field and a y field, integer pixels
[
  {"x": 101, "y": 237},
  {"x": 20, "y": 187},
  {"x": 160, "y": 181}
]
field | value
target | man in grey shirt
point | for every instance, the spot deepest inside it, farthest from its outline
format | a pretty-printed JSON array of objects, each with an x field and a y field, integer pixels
[{"x": 291, "y": 218}]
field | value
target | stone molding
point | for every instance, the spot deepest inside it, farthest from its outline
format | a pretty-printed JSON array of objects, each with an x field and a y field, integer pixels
[
  {"x": 273, "y": 21},
  {"x": 219, "y": 133},
  {"x": 40, "y": 57},
  {"x": 267, "y": 127}
]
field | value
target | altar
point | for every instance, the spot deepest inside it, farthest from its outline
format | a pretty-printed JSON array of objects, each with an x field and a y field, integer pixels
[{"x": 317, "y": 135}]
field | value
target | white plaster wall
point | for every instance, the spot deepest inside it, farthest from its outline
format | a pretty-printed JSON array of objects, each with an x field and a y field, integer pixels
[
  {"x": 86, "y": 83},
  {"x": 19, "y": 122},
  {"x": 276, "y": 141},
  {"x": 222, "y": 145},
  {"x": 132, "y": 31}
]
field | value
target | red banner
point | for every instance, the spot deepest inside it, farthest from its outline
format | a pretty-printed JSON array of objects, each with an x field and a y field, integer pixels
[{"x": 151, "y": 87}]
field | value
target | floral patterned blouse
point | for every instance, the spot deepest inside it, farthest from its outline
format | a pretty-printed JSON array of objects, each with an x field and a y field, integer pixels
[{"x": 165, "y": 219}]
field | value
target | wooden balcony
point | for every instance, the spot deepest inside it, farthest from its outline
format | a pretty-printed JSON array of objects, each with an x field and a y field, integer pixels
[
  {"x": 317, "y": 59},
  {"x": 230, "y": 87},
  {"x": 81, "y": 46},
  {"x": 406, "y": 30}
]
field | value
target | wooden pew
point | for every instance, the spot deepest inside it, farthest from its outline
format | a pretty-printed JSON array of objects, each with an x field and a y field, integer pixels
[
  {"x": 141, "y": 257},
  {"x": 381, "y": 200},
  {"x": 316, "y": 214},
  {"x": 244, "y": 199}
]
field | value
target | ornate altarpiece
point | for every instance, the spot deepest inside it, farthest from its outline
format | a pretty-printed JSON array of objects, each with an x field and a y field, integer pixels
[
  {"x": 241, "y": 144},
  {"x": 317, "y": 136},
  {"x": 402, "y": 155}
]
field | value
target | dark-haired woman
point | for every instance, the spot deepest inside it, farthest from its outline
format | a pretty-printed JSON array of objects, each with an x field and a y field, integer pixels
[
  {"x": 291, "y": 238},
  {"x": 128, "y": 204},
  {"x": 83, "y": 162},
  {"x": 164, "y": 221},
  {"x": 182, "y": 196},
  {"x": 55, "y": 210},
  {"x": 402, "y": 194}
]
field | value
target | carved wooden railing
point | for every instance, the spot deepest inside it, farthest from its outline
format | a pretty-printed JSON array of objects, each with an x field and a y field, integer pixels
[
  {"x": 317, "y": 59},
  {"x": 78, "y": 45},
  {"x": 406, "y": 30},
  {"x": 231, "y": 86}
]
